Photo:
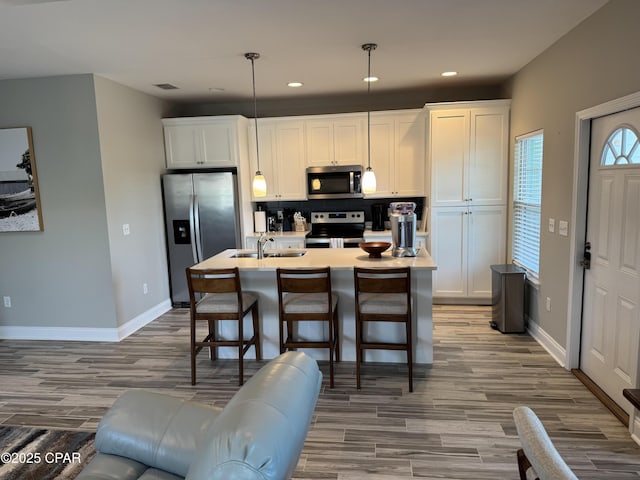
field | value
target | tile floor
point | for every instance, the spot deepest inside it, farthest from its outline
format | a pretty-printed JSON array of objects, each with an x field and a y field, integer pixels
[{"x": 456, "y": 425}]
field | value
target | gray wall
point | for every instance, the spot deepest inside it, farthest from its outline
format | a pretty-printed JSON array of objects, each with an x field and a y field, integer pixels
[
  {"x": 61, "y": 276},
  {"x": 132, "y": 152},
  {"x": 99, "y": 153},
  {"x": 594, "y": 63}
]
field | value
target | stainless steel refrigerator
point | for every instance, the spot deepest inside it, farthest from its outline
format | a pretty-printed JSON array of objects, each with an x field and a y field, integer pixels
[{"x": 201, "y": 220}]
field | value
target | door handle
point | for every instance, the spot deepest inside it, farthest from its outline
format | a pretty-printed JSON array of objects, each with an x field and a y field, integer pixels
[{"x": 586, "y": 256}]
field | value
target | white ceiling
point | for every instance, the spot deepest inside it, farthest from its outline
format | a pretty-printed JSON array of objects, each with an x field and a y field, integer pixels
[{"x": 199, "y": 45}]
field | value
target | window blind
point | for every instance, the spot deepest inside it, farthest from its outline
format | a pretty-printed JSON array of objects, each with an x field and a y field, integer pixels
[{"x": 527, "y": 199}]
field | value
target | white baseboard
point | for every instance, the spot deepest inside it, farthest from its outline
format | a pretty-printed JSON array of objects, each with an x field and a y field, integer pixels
[
  {"x": 557, "y": 351},
  {"x": 86, "y": 334}
]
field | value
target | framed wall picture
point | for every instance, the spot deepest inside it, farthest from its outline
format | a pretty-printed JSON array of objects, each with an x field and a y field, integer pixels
[{"x": 20, "y": 209}]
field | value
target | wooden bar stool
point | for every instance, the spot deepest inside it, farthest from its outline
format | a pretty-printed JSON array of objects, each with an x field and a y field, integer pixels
[
  {"x": 383, "y": 295},
  {"x": 304, "y": 294},
  {"x": 214, "y": 295}
]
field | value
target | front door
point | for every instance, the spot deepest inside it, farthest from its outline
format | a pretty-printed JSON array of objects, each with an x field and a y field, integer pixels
[{"x": 610, "y": 324}]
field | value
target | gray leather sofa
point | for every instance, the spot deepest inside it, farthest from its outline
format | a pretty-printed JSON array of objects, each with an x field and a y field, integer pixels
[{"x": 258, "y": 435}]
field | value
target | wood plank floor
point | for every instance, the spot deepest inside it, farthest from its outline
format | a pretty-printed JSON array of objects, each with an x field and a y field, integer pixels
[{"x": 457, "y": 424}]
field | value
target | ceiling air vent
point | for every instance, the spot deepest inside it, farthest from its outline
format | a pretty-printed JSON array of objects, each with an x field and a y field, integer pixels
[{"x": 166, "y": 86}]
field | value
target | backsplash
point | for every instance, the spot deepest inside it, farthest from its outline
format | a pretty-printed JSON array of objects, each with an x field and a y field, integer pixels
[{"x": 307, "y": 206}]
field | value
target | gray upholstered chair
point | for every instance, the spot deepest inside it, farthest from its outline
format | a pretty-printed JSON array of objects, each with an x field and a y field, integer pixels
[{"x": 537, "y": 452}]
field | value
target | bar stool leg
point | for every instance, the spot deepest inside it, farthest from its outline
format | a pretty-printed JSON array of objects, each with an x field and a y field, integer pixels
[
  {"x": 240, "y": 349},
  {"x": 256, "y": 331},
  {"x": 281, "y": 329},
  {"x": 213, "y": 351},
  {"x": 336, "y": 336},
  {"x": 331, "y": 350},
  {"x": 193, "y": 353},
  {"x": 358, "y": 349},
  {"x": 410, "y": 354}
]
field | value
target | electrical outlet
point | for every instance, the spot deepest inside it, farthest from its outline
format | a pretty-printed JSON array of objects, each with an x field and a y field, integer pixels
[
  {"x": 145, "y": 288},
  {"x": 552, "y": 225},
  {"x": 548, "y": 304},
  {"x": 125, "y": 229},
  {"x": 7, "y": 302}
]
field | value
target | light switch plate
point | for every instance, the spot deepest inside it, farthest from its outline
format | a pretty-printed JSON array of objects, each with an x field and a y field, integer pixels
[
  {"x": 563, "y": 228},
  {"x": 552, "y": 225}
]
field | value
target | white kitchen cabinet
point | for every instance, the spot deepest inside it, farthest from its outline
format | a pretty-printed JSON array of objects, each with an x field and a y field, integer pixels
[
  {"x": 468, "y": 153},
  {"x": 465, "y": 241},
  {"x": 398, "y": 153},
  {"x": 468, "y": 158},
  {"x": 201, "y": 142},
  {"x": 335, "y": 140},
  {"x": 282, "y": 158}
]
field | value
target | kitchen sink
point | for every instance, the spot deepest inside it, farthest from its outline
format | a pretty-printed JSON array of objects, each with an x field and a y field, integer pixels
[
  {"x": 245, "y": 255},
  {"x": 294, "y": 253},
  {"x": 270, "y": 254}
]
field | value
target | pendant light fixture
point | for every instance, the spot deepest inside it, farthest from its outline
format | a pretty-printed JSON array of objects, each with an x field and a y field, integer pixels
[
  {"x": 259, "y": 182},
  {"x": 369, "y": 178}
]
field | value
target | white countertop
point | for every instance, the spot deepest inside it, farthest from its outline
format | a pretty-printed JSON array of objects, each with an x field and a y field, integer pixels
[{"x": 337, "y": 258}]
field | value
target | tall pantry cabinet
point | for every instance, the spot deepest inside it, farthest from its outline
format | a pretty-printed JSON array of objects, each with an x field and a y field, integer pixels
[{"x": 468, "y": 156}]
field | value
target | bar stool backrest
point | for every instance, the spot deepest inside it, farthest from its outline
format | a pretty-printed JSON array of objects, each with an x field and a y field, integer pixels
[
  {"x": 386, "y": 280},
  {"x": 310, "y": 280},
  {"x": 203, "y": 281}
]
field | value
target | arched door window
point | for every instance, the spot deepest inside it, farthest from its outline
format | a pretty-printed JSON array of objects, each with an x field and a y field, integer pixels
[{"x": 621, "y": 148}]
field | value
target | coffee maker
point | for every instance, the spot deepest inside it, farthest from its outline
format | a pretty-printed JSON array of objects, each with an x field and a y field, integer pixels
[
  {"x": 378, "y": 215},
  {"x": 403, "y": 229}
]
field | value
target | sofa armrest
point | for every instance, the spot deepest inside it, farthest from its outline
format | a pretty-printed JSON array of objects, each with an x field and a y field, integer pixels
[
  {"x": 261, "y": 431},
  {"x": 154, "y": 429}
]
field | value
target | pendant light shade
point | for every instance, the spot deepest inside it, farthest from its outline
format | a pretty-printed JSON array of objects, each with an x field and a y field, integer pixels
[
  {"x": 259, "y": 185},
  {"x": 259, "y": 182},
  {"x": 369, "y": 181},
  {"x": 369, "y": 178}
]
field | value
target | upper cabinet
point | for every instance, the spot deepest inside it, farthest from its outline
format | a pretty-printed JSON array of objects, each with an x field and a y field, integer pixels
[
  {"x": 282, "y": 158},
  {"x": 398, "y": 153},
  {"x": 201, "y": 142},
  {"x": 468, "y": 153},
  {"x": 335, "y": 139}
]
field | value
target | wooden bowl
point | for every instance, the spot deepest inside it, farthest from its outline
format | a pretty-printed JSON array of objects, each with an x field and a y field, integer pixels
[{"x": 374, "y": 249}]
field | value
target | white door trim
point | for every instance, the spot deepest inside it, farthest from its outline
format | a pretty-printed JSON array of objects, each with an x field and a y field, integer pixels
[{"x": 579, "y": 216}]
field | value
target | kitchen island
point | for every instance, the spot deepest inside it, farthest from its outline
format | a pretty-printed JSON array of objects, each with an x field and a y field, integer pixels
[{"x": 259, "y": 275}]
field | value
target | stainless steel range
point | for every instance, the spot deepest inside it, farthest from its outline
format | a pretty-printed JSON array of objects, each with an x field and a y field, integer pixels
[{"x": 336, "y": 229}]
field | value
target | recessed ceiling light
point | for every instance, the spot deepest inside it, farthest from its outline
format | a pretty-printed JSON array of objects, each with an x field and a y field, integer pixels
[
  {"x": 449, "y": 74},
  {"x": 295, "y": 84},
  {"x": 370, "y": 79}
]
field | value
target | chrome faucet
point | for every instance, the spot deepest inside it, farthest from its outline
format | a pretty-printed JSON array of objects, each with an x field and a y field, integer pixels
[{"x": 264, "y": 238}]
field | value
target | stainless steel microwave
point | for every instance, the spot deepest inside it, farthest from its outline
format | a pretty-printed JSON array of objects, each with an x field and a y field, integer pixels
[{"x": 338, "y": 181}]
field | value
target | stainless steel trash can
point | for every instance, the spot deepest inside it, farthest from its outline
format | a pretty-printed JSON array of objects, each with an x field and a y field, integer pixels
[{"x": 507, "y": 298}]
